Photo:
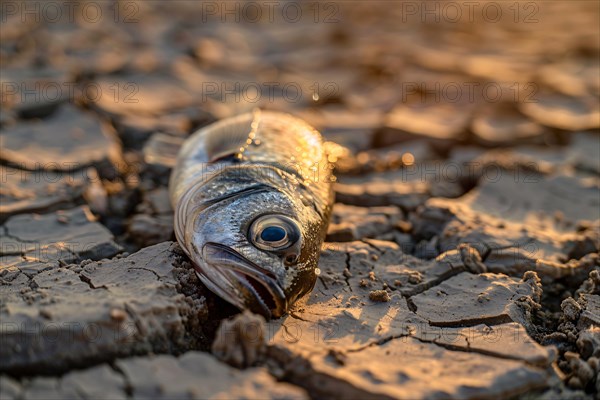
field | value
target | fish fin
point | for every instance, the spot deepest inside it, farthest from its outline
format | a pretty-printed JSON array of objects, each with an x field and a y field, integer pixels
[
  {"x": 226, "y": 140},
  {"x": 162, "y": 149}
]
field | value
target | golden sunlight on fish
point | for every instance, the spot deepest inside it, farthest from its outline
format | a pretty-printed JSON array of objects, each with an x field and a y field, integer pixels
[{"x": 252, "y": 196}]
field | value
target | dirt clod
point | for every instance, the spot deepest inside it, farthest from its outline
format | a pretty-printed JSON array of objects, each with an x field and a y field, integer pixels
[
  {"x": 381, "y": 296},
  {"x": 240, "y": 341}
]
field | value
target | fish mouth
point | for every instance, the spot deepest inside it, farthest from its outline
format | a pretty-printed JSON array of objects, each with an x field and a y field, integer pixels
[{"x": 257, "y": 287}]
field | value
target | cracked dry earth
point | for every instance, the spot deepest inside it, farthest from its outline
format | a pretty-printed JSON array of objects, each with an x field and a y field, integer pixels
[{"x": 462, "y": 256}]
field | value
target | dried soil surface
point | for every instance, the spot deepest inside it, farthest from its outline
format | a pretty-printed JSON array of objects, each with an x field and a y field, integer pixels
[{"x": 462, "y": 256}]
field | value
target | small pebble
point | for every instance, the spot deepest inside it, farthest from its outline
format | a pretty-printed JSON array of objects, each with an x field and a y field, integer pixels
[
  {"x": 379, "y": 296},
  {"x": 118, "y": 315},
  {"x": 415, "y": 278}
]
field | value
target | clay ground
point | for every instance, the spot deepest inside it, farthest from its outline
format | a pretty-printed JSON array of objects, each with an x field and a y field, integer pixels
[{"x": 462, "y": 258}]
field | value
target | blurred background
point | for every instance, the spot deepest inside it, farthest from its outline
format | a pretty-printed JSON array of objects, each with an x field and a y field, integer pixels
[
  {"x": 88, "y": 84},
  {"x": 494, "y": 73}
]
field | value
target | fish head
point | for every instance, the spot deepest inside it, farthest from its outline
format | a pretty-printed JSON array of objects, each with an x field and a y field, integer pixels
[{"x": 255, "y": 247}]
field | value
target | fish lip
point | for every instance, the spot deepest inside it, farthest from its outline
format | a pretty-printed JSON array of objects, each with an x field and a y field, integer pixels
[{"x": 240, "y": 269}]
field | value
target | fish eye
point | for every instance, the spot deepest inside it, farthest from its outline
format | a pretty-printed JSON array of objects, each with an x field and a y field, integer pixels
[{"x": 274, "y": 232}]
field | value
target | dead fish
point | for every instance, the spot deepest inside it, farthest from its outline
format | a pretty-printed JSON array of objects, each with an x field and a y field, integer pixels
[{"x": 252, "y": 196}]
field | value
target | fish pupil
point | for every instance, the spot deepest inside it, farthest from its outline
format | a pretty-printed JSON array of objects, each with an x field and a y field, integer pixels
[{"x": 273, "y": 234}]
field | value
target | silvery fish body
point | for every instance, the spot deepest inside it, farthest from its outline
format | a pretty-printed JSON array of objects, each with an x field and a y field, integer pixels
[{"x": 252, "y": 196}]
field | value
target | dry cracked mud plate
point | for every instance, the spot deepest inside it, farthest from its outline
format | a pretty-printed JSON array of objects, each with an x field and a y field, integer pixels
[
  {"x": 67, "y": 140},
  {"x": 33, "y": 242},
  {"x": 45, "y": 191},
  {"x": 194, "y": 375},
  {"x": 67, "y": 316},
  {"x": 516, "y": 224}
]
